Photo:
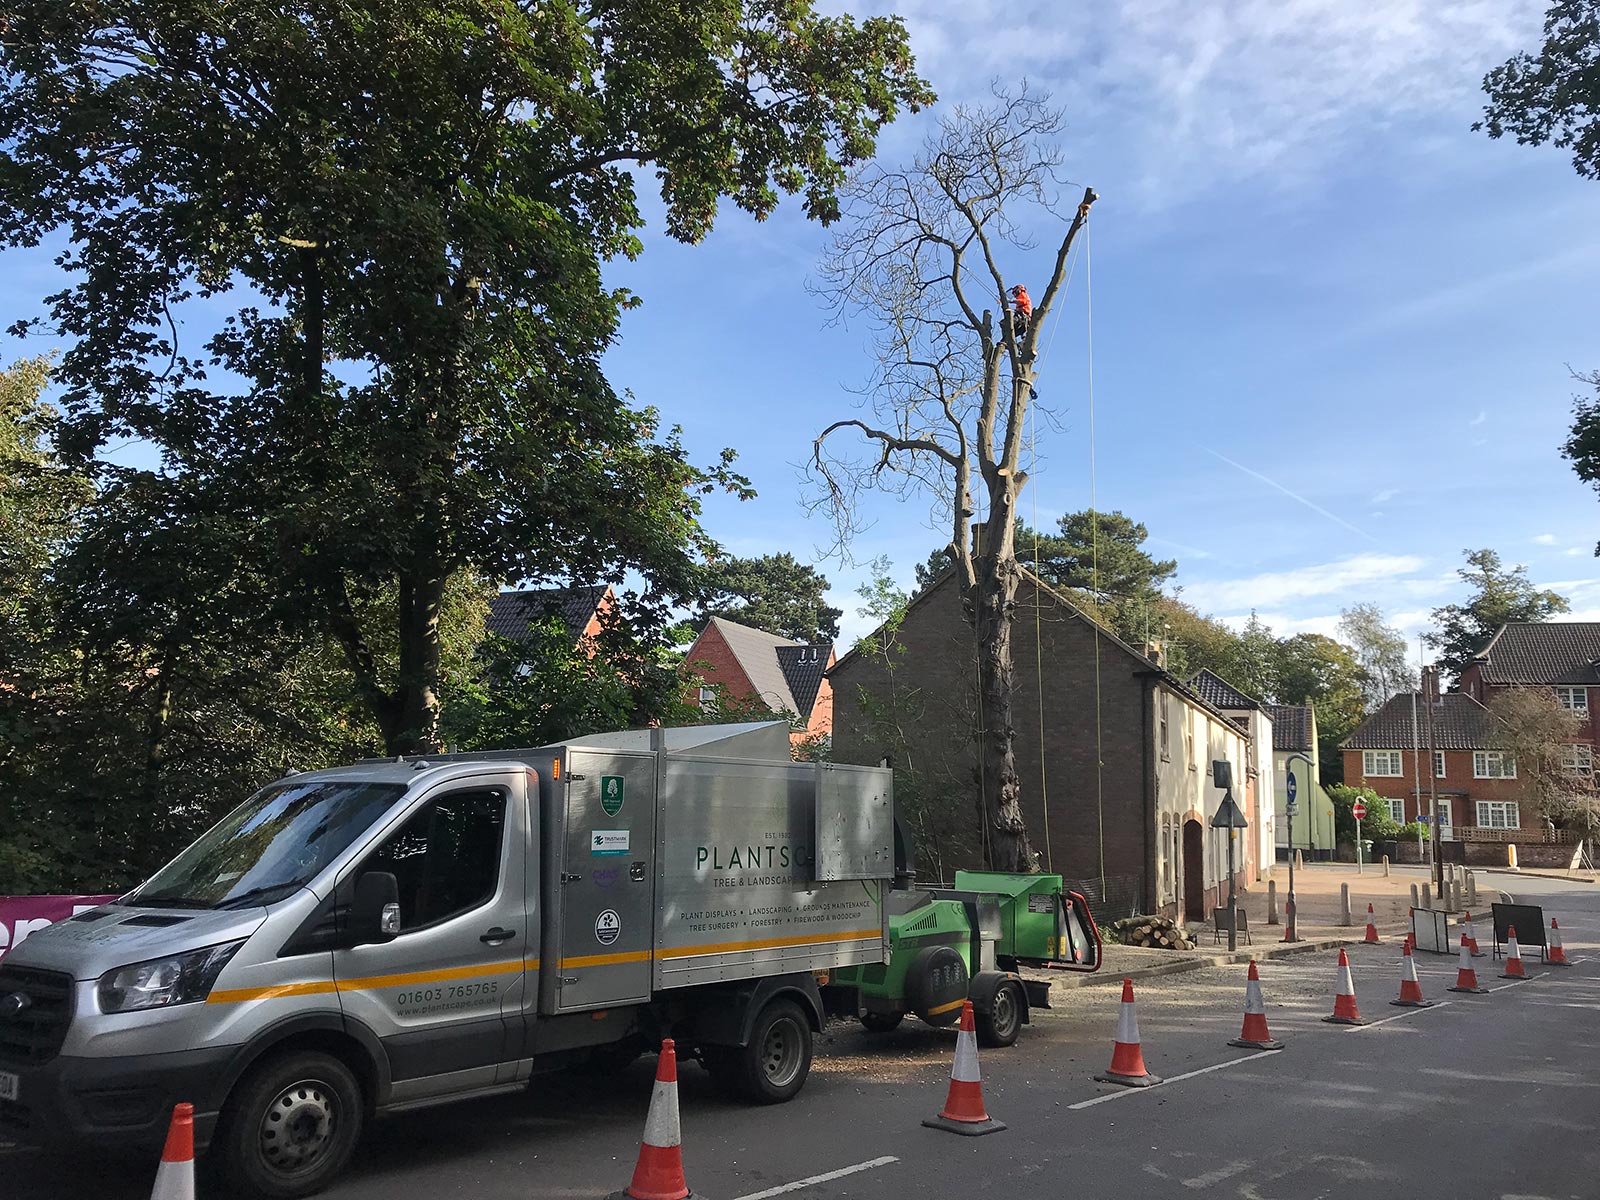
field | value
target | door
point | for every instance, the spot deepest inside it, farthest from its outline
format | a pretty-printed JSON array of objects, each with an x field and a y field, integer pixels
[
  {"x": 1447, "y": 832},
  {"x": 1194, "y": 872},
  {"x": 444, "y": 996},
  {"x": 608, "y": 880}
]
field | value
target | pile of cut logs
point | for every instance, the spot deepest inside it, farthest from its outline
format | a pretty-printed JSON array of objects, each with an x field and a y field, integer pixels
[{"x": 1158, "y": 933}]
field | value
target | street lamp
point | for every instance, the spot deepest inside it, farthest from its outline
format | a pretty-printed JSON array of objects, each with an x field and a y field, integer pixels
[{"x": 1289, "y": 932}]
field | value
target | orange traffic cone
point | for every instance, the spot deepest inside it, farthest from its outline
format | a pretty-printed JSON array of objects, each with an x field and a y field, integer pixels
[
  {"x": 1513, "y": 956},
  {"x": 658, "y": 1175},
  {"x": 1470, "y": 937},
  {"x": 1557, "y": 956},
  {"x": 1255, "y": 1036},
  {"x": 1466, "y": 975},
  {"x": 1127, "y": 1058},
  {"x": 1372, "y": 930},
  {"x": 1345, "y": 1011},
  {"x": 175, "y": 1175},
  {"x": 963, "y": 1110},
  {"x": 1410, "y": 986}
]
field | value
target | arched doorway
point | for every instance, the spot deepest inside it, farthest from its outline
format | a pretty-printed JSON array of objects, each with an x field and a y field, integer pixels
[{"x": 1194, "y": 873}]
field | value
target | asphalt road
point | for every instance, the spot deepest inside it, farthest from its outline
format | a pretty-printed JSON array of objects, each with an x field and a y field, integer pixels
[{"x": 1480, "y": 1096}]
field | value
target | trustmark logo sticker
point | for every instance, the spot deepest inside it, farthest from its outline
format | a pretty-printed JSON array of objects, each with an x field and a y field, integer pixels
[
  {"x": 607, "y": 927},
  {"x": 608, "y": 841}
]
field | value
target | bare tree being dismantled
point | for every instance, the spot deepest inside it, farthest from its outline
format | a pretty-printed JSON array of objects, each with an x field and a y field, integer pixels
[{"x": 921, "y": 255}]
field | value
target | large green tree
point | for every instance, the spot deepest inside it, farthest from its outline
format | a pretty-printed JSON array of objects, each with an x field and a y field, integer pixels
[
  {"x": 1381, "y": 650},
  {"x": 774, "y": 592},
  {"x": 1499, "y": 595},
  {"x": 402, "y": 210},
  {"x": 1313, "y": 668}
]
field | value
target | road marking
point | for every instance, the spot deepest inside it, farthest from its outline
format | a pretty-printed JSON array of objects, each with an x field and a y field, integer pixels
[
  {"x": 1410, "y": 1012},
  {"x": 1171, "y": 1079},
  {"x": 785, "y": 1188},
  {"x": 1515, "y": 983}
]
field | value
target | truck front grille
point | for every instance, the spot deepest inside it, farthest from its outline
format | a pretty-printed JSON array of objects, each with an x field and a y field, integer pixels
[{"x": 34, "y": 1033}]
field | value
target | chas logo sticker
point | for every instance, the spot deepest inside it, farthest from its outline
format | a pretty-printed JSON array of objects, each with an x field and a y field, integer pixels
[{"x": 607, "y": 927}]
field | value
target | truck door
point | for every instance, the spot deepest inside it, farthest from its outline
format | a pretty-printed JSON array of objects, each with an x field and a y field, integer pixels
[
  {"x": 445, "y": 995},
  {"x": 608, "y": 880}
]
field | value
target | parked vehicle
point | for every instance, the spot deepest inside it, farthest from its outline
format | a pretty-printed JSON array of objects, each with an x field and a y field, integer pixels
[{"x": 398, "y": 933}]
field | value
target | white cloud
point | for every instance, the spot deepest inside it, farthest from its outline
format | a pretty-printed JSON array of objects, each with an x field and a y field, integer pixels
[
  {"x": 1482, "y": 416},
  {"x": 1384, "y": 496},
  {"x": 1263, "y": 90},
  {"x": 1574, "y": 551},
  {"x": 1545, "y": 539},
  {"x": 1272, "y": 589},
  {"x": 1283, "y": 625}
]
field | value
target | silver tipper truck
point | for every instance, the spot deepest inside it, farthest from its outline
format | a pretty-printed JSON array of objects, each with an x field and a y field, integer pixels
[{"x": 397, "y": 933}]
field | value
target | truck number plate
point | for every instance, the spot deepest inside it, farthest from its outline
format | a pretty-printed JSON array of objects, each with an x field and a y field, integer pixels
[{"x": 10, "y": 1085}]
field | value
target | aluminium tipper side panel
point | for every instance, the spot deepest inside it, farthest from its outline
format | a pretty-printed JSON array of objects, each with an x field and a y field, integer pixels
[
  {"x": 854, "y": 822},
  {"x": 737, "y": 895}
]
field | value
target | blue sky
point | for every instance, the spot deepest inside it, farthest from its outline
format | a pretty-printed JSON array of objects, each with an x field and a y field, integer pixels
[{"x": 1332, "y": 326}]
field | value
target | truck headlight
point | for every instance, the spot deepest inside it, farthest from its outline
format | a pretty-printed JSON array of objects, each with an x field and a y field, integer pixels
[{"x": 177, "y": 979}]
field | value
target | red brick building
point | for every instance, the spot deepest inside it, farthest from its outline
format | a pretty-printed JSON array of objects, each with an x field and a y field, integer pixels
[
  {"x": 1473, "y": 782},
  {"x": 582, "y": 609},
  {"x": 789, "y": 677},
  {"x": 1563, "y": 655}
]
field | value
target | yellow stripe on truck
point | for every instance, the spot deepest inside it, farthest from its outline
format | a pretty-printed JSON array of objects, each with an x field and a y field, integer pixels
[
  {"x": 410, "y": 978},
  {"x": 944, "y": 1008},
  {"x": 371, "y": 982}
]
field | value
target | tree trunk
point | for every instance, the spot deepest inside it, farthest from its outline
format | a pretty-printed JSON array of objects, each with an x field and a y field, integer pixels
[
  {"x": 416, "y": 729},
  {"x": 1005, "y": 834}
]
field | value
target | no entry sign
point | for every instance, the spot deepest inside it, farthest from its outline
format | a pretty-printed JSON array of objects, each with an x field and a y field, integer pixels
[{"x": 1358, "y": 810}]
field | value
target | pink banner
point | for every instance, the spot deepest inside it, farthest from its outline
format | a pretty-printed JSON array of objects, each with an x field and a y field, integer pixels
[{"x": 22, "y": 915}]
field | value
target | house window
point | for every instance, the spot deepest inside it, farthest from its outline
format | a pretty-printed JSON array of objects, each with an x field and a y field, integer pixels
[
  {"x": 1578, "y": 759},
  {"x": 1575, "y": 698},
  {"x": 708, "y": 698},
  {"x": 1438, "y": 764},
  {"x": 1166, "y": 753},
  {"x": 1493, "y": 764},
  {"x": 1382, "y": 762},
  {"x": 1397, "y": 811},
  {"x": 1498, "y": 814}
]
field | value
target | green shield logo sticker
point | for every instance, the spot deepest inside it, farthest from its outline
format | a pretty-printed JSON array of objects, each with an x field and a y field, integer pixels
[{"x": 611, "y": 794}]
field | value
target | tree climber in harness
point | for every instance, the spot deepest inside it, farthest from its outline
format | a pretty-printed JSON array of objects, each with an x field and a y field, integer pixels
[{"x": 1021, "y": 310}]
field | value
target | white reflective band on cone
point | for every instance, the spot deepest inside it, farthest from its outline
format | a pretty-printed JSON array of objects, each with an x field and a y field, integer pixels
[
  {"x": 1408, "y": 969},
  {"x": 661, "y": 1126},
  {"x": 966, "y": 1066},
  {"x": 1252, "y": 997},
  {"x": 1346, "y": 986},
  {"x": 1465, "y": 959},
  {"x": 1127, "y": 1025},
  {"x": 174, "y": 1181}
]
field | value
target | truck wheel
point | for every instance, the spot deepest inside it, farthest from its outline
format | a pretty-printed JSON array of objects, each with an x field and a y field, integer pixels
[
  {"x": 1003, "y": 1022},
  {"x": 774, "y": 1066},
  {"x": 881, "y": 1022},
  {"x": 289, "y": 1126}
]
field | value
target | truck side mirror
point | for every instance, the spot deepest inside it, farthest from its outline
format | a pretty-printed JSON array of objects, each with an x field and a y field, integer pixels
[{"x": 375, "y": 911}]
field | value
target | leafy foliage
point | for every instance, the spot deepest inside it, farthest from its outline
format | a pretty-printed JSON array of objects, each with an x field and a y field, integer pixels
[
  {"x": 1376, "y": 824},
  {"x": 774, "y": 592},
  {"x": 1538, "y": 731},
  {"x": 1381, "y": 651},
  {"x": 405, "y": 210},
  {"x": 1500, "y": 594},
  {"x": 1553, "y": 96},
  {"x": 1582, "y": 447}
]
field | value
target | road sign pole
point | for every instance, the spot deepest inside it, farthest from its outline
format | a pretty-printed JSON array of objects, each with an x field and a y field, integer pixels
[
  {"x": 1233, "y": 902},
  {"x": 1358, "y": 846}
]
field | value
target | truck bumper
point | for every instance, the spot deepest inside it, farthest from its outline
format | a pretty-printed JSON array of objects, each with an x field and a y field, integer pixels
[{"x": 114, "y": 1103}]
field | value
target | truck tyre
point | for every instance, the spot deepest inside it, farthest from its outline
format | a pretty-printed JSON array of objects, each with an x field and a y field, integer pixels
[
  {"x": 289, "y": 1126},
  {"x": 773, "y": 1067},
  {"x": 1003, "y": 1022},
  {"x": 881, "y": 1022}
]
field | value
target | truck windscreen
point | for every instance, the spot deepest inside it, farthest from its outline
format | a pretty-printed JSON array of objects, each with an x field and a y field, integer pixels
[{"x": 270, "y": 845}]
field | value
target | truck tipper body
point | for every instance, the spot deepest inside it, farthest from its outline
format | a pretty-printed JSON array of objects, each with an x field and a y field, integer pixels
[{"x": 396, "y": 933}]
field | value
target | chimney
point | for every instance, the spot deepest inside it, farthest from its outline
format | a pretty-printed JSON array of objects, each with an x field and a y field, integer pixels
[{"x": 1156, "y": 653}]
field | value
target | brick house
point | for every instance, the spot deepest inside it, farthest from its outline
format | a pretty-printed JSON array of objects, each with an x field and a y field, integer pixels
[
  {"x": 1114, "y": 752},
  {"x": 790, "y": 677},
  {"x": 582, "y": 609},
  {"x": 1563, "y": 655},
  {"x": 1474, "y": 783}
]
